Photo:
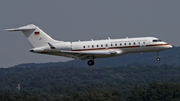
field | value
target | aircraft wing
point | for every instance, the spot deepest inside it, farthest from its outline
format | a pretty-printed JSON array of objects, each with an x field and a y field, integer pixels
[{"x": 86, "y": 54}]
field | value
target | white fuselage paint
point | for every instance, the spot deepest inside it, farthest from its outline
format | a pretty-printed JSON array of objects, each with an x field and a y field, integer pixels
[
  {"x": 113, "y": 46},
  {"x": 44, "y": 44}
]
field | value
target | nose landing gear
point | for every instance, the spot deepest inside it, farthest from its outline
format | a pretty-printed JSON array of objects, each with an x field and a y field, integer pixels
[{"x": 158, "y": 58}]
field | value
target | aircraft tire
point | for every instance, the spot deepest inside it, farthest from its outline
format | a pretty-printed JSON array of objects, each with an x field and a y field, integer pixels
[
  {"x": 158, "y": 59},
  {"x": 90, "y": 62}
]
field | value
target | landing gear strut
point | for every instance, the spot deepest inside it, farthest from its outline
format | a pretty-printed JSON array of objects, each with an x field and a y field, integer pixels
[
  {"x": 158, "y": 58},
  {"x": 90, "y": 62}
]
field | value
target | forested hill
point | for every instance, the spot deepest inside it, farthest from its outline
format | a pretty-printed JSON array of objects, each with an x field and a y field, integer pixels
[
  {"x": 170, "y": 57},
  {"x": 68, "y": 83},
  {"x": 133, "y": 77}
]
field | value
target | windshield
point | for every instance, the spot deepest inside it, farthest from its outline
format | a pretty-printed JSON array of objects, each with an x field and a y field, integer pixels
[{"x": 157, "y": 40}]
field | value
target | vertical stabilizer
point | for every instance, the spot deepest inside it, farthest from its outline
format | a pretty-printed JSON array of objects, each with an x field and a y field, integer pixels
[{"x": 35, "y": 35}]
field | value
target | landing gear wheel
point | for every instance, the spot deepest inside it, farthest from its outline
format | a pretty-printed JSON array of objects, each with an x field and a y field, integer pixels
[
  {"x": 158, "y": 59},
  {"x": 90, "y": 62}
]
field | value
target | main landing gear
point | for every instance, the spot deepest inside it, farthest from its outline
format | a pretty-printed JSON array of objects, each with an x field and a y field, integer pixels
[
  {"x": 90, "y": 62},
  {"x": 158, "y": 58}
]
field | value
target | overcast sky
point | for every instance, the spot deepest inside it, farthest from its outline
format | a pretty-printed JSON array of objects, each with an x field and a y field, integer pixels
[{"x": 72, "y": 20}]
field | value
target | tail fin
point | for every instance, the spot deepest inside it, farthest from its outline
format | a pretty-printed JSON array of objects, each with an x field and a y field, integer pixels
[{"x": 35, "y": 35}]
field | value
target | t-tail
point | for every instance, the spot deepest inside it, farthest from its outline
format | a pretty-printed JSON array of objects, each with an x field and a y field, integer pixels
[{"x": 35, "y": 35}]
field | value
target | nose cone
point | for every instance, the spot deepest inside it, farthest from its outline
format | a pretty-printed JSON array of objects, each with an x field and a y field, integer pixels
[
  {"x": 170, "y": 46},
  {"x": 167, "y": 46}
]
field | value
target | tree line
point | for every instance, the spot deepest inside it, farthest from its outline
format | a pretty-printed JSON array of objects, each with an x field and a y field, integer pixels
[{"x": 67, "y": 83}]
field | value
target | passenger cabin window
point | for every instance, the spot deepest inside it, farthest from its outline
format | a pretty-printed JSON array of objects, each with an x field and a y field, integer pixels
[
  {"x": 115, "y": 44},
  {"x": 111, "y": 44},
  {"x": 129, "y": 43},
  {"x": 125, "y": 44},
  {"x": 106, "y": 45},
  {"x": 84, "y": 46},
  {"x": 120, "y": 44},
  {"x": 97, "y": 45},
  {"x": 101, "y": 45},
  {"x": 92, "y": 46},
  {"x": 134, "y": 43}
]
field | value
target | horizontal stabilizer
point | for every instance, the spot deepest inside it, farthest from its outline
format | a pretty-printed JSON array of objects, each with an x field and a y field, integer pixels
[{"x": 23, "y": 28}]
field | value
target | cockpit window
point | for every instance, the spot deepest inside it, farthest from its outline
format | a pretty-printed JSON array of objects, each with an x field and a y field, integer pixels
[{"x": 157, "y": 40}]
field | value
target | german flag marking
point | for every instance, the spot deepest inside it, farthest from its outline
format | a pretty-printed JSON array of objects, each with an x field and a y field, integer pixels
[{"x": 36, "y": 33}]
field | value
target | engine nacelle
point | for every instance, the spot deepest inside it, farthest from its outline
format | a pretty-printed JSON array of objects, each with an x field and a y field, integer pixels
[
  {"x": 63, "y": 46},
  {"x": 57, "y": 46}
]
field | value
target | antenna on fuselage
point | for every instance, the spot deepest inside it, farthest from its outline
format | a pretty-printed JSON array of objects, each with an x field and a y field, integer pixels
[
  {"x": 92, "y": 40},
  {"x": 109, "y": 38},
  {"x": 126, "y": 37}
]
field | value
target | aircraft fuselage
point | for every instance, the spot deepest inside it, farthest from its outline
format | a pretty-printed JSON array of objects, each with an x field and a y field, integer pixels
[
  {"x": 91, "y": 50},
  {"x": 107, "y": 48}
]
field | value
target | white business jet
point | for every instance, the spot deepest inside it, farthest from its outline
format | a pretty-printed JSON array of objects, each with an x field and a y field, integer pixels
[{"x": 90, "y": 50}]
